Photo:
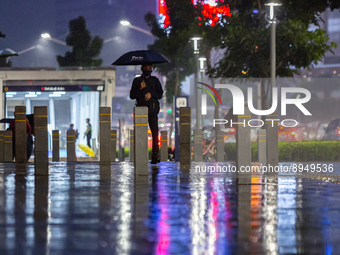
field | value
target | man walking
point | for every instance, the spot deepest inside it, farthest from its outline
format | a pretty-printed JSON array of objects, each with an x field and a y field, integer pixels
[
  {"x": 147, "y": 90},
  {"x": 88, "y": 132}
]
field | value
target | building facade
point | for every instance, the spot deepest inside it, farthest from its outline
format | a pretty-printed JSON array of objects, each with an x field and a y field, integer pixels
[{"x": 71, "y": 96}]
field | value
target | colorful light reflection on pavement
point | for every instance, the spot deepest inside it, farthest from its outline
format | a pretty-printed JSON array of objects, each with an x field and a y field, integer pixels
[{"x": 87, "y": 209}]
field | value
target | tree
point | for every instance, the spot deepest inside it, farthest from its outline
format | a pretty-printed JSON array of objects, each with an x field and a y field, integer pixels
[
  {"x": 246, "y": 40},
  {"x": 211, "y": 25},
  {"x": 4, "y": 57},
  {"x": 173, "y": 42},
  {"x": 184, "y": 20},
  {"x": 85, "y": 49},
  {"x": 245, "y": 37}
]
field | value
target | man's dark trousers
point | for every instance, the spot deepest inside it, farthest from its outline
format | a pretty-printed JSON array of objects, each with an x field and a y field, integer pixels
[
  {"x": 153, "y": 123},
  {"x": 88, "y": 136}
]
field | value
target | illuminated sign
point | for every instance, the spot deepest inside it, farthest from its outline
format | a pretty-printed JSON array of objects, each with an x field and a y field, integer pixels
[
  {"x": 162, "y": 11},
  {"x": 52, "y": 88},
  {"x": 55, "y": 88},
  {"x": 211, "y": 13}
]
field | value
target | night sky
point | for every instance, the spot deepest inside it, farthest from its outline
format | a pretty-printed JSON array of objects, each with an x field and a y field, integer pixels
[{"x": 24, "y": 20}]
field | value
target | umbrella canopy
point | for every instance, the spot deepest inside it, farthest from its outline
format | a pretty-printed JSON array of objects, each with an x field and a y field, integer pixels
[
  {"x": 6, "y": 120},
  {"x": 86, "y": 149},
  {"x": 30, "y": 118},
  {"x": 139, "y": 57}
]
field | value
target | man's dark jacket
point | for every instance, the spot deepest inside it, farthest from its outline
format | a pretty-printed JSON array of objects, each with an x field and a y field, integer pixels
[{"x": 153, "y": 86}]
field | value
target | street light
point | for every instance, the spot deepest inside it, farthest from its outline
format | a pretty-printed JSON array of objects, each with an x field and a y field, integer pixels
[
  {"x": 47, "y": 36},
  {"x": 272, "y": 133},
  {"x": 195, "y": 39},
  {"x": 272, "y": 4},
  {"x": 202, "y": 65},
  {"x": 126, "y": 23}
]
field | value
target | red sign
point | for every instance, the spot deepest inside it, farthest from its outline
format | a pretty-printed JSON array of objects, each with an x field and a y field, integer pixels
[
  {"x": 210, "y": 12},
  {"x": 163, "y": 12}
]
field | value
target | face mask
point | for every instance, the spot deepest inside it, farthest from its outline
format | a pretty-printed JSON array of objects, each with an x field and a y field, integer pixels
[{"x": 147, "y": 73}]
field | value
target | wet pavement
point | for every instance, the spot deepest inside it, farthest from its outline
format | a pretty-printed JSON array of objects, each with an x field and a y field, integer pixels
[{"x": 83, "y": 208}]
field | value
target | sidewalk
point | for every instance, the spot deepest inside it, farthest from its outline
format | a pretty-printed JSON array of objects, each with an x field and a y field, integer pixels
[{"x": 85, "y": 208}]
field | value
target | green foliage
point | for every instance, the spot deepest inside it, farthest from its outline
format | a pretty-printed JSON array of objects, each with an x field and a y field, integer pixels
[
  {"x": 127, "y": 151},
  {"x": 304, "y": 151},
  {"x": 246, "y": 39},
  {"x": 230, "y": 150},
  {"x": 212, "y": 36},
  {"x": 310, "y": 151},
  {"x": 85, "y": 49},
  {"x": 174, "y": 42}
]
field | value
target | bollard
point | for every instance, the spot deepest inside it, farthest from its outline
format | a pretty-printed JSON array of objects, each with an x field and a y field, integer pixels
[
  {"x": 94, "y": 146},
  {"x": 105, "y": 135},
  {"x": 272, "y": 141},
  {"x": 71, "y": 146},
  {"x": 105, "y": 205},
  {"x": 55, "y": 146},
  {"x": 270, "y": 200},
  {"x": 8, "y": 146},
  {"x": 41, "y": 214},
  {"x": 220, "y": 146},
  {"x": 113, "y": 145},
  {"x": 198, "y": 145},
  {"x": 2, "y": 153},
  {"x": 164, "y": 146},
  {"x": 244, "y": 218},
  {"x": 185, "y": 136},
  {"x": 141, "y": 161},
  {"x": 140, "y": 205},
  {"x": 243, "y": 145},
  {"x": 132, "y": 145},
  {"x": 121, "y": 154},
  {"x": 261, "y": 146},
  {"x": 20, "y": 135},
  {"x": 41, "y": 140}
]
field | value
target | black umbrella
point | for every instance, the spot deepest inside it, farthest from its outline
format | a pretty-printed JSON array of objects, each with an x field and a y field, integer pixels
[
  {"x": 139, "y": 57},
  {"x": 30, "y": 118},
  {"x": 6, "y": 120}
]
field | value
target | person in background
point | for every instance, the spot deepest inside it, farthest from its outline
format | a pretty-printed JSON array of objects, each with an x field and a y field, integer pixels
[
  {"x": 28, "y": 132},
  {"x": 71, "y": 128},
  {"x": 88, "y": 132}
]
